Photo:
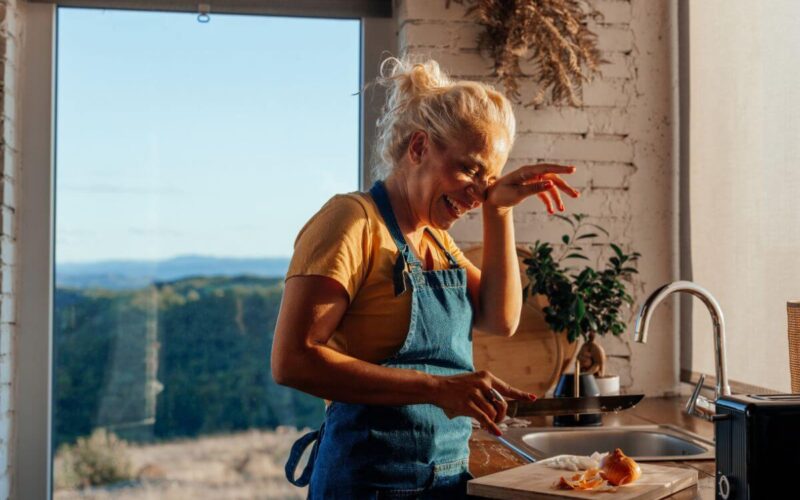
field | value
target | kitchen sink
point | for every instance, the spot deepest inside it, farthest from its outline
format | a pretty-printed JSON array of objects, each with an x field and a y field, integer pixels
[{"x": 642, "y": 442}]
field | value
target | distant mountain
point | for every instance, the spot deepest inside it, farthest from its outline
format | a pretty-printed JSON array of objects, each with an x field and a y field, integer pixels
[{"x": 129, "y": 274}]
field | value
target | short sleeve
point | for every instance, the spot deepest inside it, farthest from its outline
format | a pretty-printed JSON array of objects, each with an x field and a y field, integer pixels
[{"x": 334, "y": 243}]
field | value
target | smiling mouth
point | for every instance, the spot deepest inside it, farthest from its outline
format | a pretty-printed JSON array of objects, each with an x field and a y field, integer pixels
[{"x": 455, "y": 206}]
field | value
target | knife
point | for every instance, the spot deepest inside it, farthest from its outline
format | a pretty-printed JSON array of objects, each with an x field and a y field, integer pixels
[{"x": 571, "y": 406}]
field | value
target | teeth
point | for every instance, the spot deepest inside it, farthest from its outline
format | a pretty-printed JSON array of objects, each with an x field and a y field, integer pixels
[{"x": 456, "y": 206}]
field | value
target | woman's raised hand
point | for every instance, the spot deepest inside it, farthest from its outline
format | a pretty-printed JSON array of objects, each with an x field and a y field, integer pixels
[
  {"x": 475, "y": 395},
  {"x": 542, "y": 180}
]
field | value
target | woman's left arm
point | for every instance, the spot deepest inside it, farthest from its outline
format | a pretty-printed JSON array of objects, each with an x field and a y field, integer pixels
[{"x": 496, "y": 289}]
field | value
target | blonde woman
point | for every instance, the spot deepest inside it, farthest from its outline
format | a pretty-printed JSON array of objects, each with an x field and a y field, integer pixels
[{"x": 380, "y": 303}]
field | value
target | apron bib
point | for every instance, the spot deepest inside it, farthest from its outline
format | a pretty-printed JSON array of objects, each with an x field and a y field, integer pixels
[{"x": 366, "y": 451}]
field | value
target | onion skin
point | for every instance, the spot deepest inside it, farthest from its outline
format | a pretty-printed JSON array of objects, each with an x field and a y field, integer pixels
[{"x": 619, "y": 469}]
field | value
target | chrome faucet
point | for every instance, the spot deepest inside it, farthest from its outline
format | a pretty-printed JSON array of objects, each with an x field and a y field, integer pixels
[{"x": 698, "y": 405}]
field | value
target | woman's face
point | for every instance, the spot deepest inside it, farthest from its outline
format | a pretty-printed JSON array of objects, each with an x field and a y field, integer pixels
[{"x": 453, "y": 179}]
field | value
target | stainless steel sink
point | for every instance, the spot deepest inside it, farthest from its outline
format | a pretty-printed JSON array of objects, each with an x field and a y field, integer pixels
[{"x": 642, "y": 442}]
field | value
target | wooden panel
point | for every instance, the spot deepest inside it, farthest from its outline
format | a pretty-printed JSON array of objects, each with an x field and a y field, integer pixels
[
  {"x": 535, "y": 481},
  {"x": 530, "y": 360}
]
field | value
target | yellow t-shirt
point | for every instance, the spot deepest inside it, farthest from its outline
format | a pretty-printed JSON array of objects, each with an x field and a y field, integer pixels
[{"x": 348, "y": 241}]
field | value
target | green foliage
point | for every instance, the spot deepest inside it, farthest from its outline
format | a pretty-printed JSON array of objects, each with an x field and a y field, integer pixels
[
  {"x": 581, "y": 301},
  {"x": 97, "y": 460},
  {"x": 177, "y": 359}
]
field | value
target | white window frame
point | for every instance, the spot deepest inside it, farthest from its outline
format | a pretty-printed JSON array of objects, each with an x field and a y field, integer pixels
[{"x": 30, "y": 453}]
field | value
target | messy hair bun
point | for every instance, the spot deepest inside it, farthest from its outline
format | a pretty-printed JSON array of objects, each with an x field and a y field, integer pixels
[{"x": 421, "y": 96}]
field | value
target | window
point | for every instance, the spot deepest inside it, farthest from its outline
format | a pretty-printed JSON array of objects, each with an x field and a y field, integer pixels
[{"x": 187, "y": 170}]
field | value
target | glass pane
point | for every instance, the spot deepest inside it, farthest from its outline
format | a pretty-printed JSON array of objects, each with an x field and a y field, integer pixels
[{"x": 188, "y": 157}]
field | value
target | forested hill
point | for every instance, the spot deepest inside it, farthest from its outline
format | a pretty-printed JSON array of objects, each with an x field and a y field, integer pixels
[
  {"x": 174, "y": 358},
  {"x": 132, "y": 274}
]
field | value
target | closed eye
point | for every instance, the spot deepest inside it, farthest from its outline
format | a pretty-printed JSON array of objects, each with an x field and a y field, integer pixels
[{"x": 470, "y": 171}]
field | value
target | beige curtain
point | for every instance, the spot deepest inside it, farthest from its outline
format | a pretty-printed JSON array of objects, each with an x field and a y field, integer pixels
[{"x": 745, "y": 180}]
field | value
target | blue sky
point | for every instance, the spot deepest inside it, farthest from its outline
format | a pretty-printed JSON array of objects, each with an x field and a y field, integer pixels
[{"x": 176, "y": 137}]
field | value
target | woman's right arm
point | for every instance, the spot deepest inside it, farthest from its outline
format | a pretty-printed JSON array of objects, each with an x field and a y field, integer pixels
[{"x": 312, "y": 308}]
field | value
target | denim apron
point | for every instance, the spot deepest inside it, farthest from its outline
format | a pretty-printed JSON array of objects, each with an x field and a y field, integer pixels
[{"x": 374, "y": 451}]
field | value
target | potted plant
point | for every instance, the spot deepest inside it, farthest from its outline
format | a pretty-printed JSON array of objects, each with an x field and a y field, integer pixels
[{"x": 582, "y": 302}]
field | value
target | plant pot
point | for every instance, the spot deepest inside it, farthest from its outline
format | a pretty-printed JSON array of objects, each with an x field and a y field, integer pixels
[
  {"x": 565, "y": 389},
  {"x": 608, "y": 385}
]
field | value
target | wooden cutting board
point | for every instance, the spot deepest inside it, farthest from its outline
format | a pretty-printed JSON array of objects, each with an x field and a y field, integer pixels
[
  {"x": 536, "y": 481},
  {"x": 534, "y": 357}
]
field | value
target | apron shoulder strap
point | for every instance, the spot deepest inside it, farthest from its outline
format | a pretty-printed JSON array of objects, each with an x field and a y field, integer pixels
[
  {"x": 406, "y": 257},
  {"x": 452, "y": 260}
]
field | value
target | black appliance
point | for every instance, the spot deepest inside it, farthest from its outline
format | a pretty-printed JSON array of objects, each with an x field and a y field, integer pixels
[{"x": 758, "y": 446}]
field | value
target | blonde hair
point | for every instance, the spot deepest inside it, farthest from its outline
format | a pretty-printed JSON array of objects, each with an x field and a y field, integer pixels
[{"x": 421, "y": 96}]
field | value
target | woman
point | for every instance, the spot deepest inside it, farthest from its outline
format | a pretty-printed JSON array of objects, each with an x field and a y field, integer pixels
[{"x": 380, "y": 303}]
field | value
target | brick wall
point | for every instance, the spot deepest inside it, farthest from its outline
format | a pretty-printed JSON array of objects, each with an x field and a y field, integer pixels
[
  {"x": 620, "y": 140},
  {"x": 9, "y": 36}
]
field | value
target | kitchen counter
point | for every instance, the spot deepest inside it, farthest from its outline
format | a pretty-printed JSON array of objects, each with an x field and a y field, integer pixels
[{"x": 487, "y": 455}]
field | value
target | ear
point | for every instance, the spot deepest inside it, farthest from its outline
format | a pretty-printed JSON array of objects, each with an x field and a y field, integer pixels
[{"x": 417, "y": 146}]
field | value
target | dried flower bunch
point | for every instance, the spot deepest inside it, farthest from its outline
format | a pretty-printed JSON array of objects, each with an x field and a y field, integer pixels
[{"x": 553, "y": 34}]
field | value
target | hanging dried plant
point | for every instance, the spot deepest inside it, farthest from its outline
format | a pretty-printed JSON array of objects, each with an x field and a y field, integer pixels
[{"x": 552, "y": 34}]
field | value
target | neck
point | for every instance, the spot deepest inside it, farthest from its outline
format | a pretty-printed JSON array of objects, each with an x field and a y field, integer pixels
[{"x": 397, "y": 189}]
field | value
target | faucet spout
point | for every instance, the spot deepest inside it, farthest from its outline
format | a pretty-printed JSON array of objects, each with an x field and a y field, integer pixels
[{"x": 658, "y": 296}]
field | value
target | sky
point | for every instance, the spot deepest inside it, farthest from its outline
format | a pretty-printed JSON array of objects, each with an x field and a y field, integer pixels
[{"x": 175, "y": 137}]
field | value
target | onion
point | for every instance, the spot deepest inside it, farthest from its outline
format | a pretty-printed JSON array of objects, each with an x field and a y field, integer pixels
[{"x": 619, "y": 469}]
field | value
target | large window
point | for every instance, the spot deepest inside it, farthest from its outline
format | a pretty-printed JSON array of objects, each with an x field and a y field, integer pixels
[{"x": 188, "y": 157}]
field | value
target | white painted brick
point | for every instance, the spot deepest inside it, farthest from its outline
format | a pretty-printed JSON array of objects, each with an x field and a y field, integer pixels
[
  {"x": 5, "y": 485},
  {"x": 426, "y": 34},
  {"x": 573, "y": 147},
  {"x": 552, "y": 120},
  {"x": 8, "y": 313},
  {"x": 6, "y": 279},
  {"x": 461, "y": 62},
  {"x": 466, "y": 35},
  {"x": 7, "y": 219},
  {"x": 8, "y": 250},
  {"x": 619, "y": 65},
  {"x": 7, "y": 131},
  {"x": 5, "y": 398},
  {"x": 7, "y": 192},
  {"x": 614, "y": 121},
  {"x": 6, "y": 332},
  {"x": 429, "y": 9},
  {"x": 9, "y": 160},
  {"x": 5, "y": 428},
  {"x": 614, "y": 38},
  {"x": 608, "y": 92},
  {"x": 4, "y": 452},
  {"x": 9, "y": 110},
  {"x": 614, "y": 11}
]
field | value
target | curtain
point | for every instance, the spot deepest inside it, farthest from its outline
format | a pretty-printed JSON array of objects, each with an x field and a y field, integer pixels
[{"x": 744, "y": 178}]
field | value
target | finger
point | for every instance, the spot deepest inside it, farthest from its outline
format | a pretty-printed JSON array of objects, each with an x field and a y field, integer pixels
[
  {"x": 556, "y": 197},
  {"x": 486, "y": 406},
  {"x": 562, "y": 185},
  {"x": 506, "y": 390},
  {"x": 499, "y": 403},
  {"x": 546, "y": 202},
  {"x": 537, "y": 187},
  {"x": 502, "y": 408},
  {"x": 484, "y": 420},
  {"x": 532, "y": 172}
]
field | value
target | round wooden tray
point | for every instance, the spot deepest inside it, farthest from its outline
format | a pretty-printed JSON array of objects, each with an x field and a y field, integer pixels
[{"x": 533, "y": 358}]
